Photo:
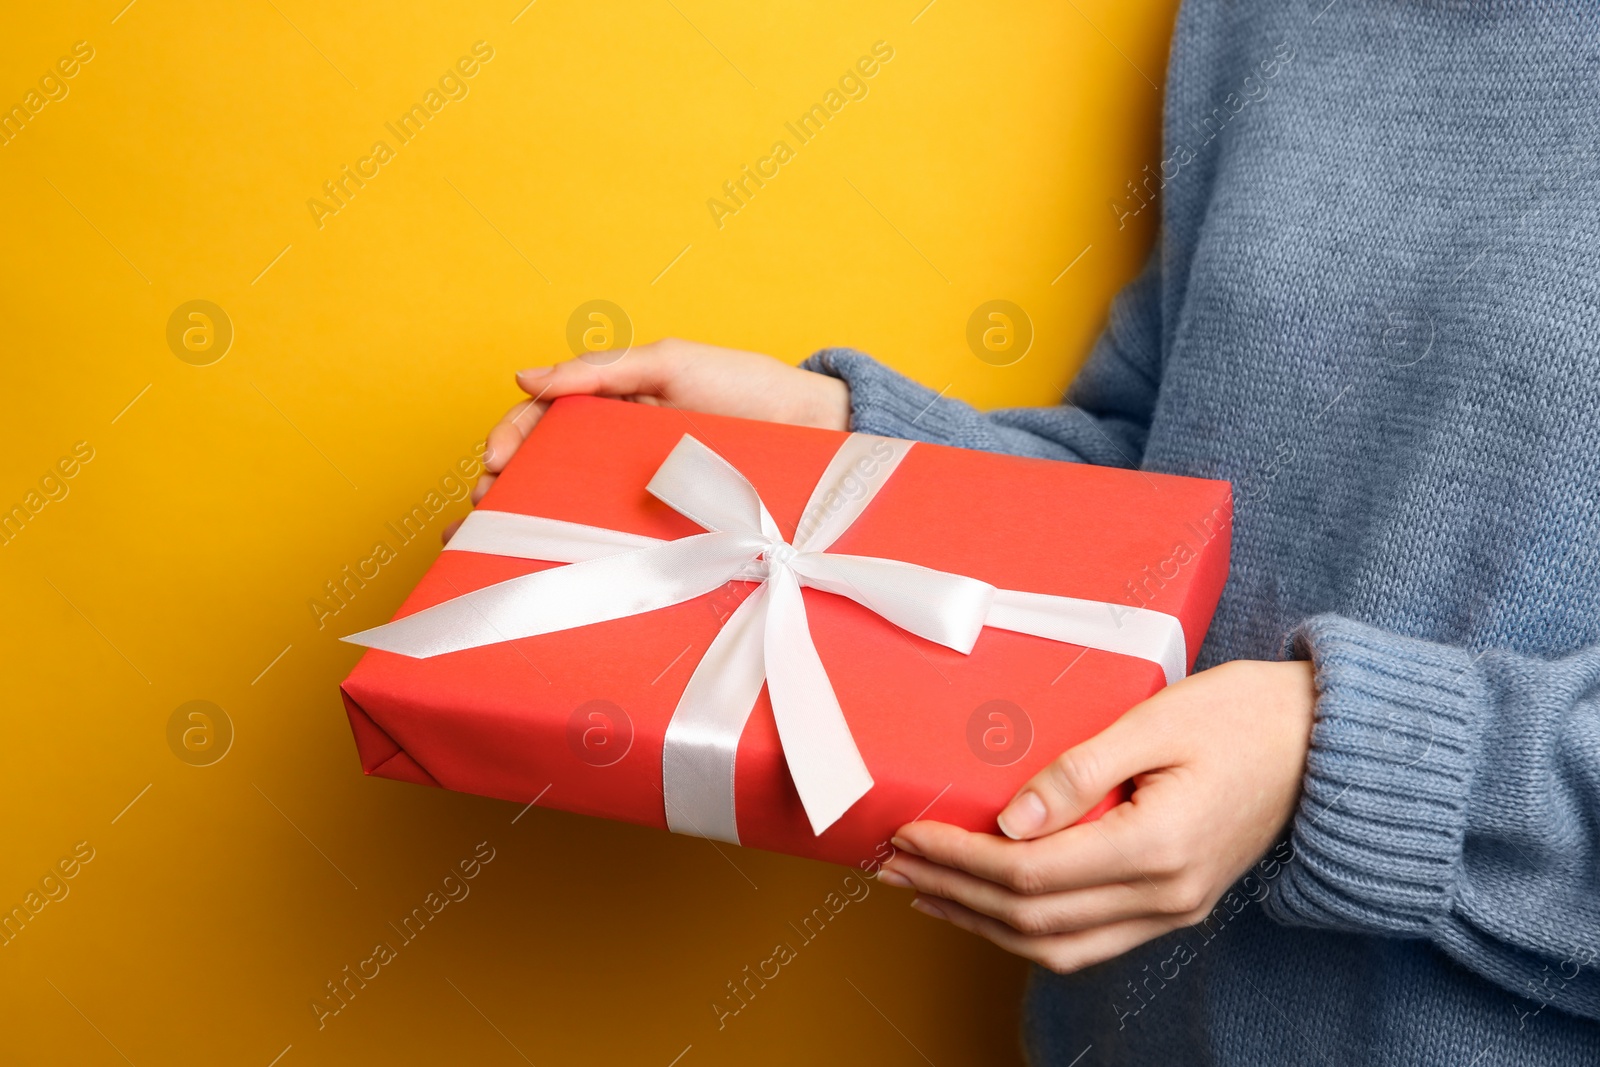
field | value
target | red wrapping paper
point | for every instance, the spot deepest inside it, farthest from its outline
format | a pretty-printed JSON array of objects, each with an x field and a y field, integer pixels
[{"x": 576, "y": 719}]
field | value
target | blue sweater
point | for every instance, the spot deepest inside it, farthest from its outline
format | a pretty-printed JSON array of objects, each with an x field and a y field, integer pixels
[{"x": 1375, "y": 309}]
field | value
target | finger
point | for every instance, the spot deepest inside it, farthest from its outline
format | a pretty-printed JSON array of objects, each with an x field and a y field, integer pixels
[
  {"x": 1075, "y": 858},
  {"x": 1052, "y": 913},
  {"x": 481, "y": 487},
  {"x": 450, "y": 531},
  {"x": 638, "y": 370},
  {"x": 1078, "y": 779},
  {"x": 507, "y": 435},
  {"x": 1062, "y": 953}
]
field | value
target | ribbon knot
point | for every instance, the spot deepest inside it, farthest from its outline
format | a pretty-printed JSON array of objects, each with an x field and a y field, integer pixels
[{"x": 767, "y": 640}]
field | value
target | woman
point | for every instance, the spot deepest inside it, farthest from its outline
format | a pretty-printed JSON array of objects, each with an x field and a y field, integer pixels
[{"x": 1367, "y": 832}]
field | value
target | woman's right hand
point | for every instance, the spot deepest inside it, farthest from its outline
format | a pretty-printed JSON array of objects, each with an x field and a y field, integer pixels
[{"x": 681, "y": 374}]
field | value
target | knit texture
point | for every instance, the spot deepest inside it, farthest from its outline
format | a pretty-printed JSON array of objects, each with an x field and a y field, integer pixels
[{"x": 1375, "y": 309}]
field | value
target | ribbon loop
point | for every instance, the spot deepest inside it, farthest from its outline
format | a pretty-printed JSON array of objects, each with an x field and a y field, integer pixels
[
  {"x": 945, "y": 608},
  {"x": 597, "y": 590},
  {"x": 703, "y": 486}
]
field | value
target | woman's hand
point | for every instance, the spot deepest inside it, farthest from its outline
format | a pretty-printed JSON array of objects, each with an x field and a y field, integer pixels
[
  {"x": 682, "y": 374},
  {"x": 1216, "y": 762}
]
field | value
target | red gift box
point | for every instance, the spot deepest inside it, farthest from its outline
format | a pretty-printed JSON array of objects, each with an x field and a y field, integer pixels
[{"x": 576, "y": 719}]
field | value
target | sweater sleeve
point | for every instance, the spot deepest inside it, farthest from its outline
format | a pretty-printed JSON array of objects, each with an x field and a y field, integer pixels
[
  {"x": 1105, "y": 420},
  {"x": 1456, "y": 797}
]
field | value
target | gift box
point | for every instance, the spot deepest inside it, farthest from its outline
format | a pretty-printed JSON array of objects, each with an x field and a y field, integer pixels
[{"x": 790, "y": 638}]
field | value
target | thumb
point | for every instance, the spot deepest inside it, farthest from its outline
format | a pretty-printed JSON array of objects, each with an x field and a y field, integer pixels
[
  {"x": 635, "y": 371},
  {"x": 1081, "y": 777}
]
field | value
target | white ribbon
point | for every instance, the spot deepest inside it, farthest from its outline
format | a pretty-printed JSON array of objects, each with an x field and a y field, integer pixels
[{"x": 767, "y": 640}]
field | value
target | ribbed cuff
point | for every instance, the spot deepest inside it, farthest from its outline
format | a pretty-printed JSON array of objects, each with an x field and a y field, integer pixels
[
  {"x": 1378, "y": 837},
  {"x": 889, "y": 404}
]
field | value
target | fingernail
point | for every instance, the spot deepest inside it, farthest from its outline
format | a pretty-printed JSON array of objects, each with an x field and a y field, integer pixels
[
  {"x": 927, "y": 907},
  {"x": 534, "y": 372},
  {"x": 1022, "y": 816},
  {"x": 894, "y": 878},
  {"x": 904, "y": 846}
]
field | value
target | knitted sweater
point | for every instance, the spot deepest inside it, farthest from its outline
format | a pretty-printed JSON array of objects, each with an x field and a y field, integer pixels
[{"x": 1375, "y": 309}]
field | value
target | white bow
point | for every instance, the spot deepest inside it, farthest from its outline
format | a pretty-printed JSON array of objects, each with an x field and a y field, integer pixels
[{"x": 767, "y": 640}]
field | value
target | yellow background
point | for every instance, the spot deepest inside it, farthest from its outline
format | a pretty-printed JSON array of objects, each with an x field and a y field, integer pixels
[{"x": 367, "y": 360}]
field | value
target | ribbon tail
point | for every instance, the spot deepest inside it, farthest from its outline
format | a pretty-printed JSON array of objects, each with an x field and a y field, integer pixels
[
  {"x": 702, "y": 738},
  {"x": 1140, "y": 632},
  {"x": 824, "y": 762}
]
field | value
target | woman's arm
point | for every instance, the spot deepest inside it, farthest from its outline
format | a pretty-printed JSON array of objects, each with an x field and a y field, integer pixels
[
  {"x": 673, "y": 373},
  {"x": 1105, "y": 420},
  {"x": 1454, "y": 795},
  {"x": 1428, "y": 792}
]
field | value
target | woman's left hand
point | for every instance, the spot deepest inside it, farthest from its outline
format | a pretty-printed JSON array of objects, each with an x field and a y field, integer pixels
[{"x": 1216, "y": 762}]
